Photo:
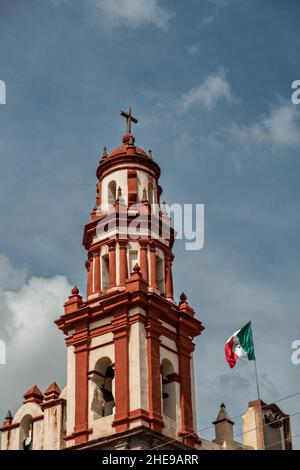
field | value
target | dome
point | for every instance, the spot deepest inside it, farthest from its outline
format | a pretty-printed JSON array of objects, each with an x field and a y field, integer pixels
[
  {"x": 127, "y": 153},
  {"x": 128, "y": 148}
]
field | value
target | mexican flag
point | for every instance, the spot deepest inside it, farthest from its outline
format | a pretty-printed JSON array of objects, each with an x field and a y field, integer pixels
[{"x": 240, "y": 345}]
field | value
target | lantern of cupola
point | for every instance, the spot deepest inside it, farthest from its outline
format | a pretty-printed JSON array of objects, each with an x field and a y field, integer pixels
[{"x": 128, "y": 225}]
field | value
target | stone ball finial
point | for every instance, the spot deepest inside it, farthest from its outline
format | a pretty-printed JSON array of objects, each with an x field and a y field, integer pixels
[
  {"x": 128, "y": 139},
  {"x": 136, "y": 268},
  {"x": 75, "y": 290},
  {"x": 183, "y": 298}
]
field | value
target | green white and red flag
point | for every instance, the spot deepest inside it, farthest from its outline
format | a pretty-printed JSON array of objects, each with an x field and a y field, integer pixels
[{"x": 240, "y": 345}]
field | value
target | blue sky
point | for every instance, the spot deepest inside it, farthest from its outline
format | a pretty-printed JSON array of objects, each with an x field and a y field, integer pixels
[{"x": 210, "y": 81}]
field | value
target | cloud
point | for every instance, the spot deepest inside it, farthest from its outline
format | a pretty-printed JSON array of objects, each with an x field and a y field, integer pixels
[
  {"x": 35, "y": 350},
  {"x": 194, "y": 49},
  {"x": 209, "y": 93},
  {"x": 135, "y": 13},
  {"x": 279, "y": 128},
  {"x": 217, "y": 5}
]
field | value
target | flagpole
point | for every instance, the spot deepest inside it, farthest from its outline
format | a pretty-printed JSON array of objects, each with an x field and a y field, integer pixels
[
  {"x": 255, "y": 367},
  {"x": 257, "y": 385}
]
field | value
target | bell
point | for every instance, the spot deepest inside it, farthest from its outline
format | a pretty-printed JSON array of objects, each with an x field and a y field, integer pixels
[
  {"x": 106, "y": 387},
  {"x": 165, "y": 393}
]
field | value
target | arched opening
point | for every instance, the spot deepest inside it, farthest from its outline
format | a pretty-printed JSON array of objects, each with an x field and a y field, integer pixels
[
  {"x": 105, "y": 273},
  {"x": 150, "y": 194},
  {"x": 168, "y": 389},
  {"x": 112, "y": 192},
  {"x": 160, "y": 273},
  {"x": 103, "y": 401},
  {"x": 26, "y": 433},
  {"x": 133, "y": 259}
]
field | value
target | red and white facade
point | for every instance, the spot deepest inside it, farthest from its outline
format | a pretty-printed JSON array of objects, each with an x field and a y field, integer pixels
[{"x": 129, "y": 345}]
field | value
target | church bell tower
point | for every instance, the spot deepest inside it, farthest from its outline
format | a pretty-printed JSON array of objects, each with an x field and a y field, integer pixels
[{"x": 130, "y": 378}]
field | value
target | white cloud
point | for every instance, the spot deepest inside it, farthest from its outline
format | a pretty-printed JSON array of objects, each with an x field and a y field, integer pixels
[
  {"x": 35, "y": 349},
  {"x": 217, "y": 6},
  {"x": 279, "y": 128},
  {"x": 212, "y": 90},
  {"x": 10, "y": 277},
  {"x": 136, "y": 13},
  {"x": 194, "y": 49}
]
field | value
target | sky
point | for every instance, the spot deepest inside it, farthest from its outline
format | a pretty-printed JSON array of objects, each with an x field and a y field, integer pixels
[{"x": 210, "y": 81}]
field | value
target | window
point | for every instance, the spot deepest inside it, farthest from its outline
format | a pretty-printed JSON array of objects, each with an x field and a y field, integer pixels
[
  {"x": 102, "y": 380},
  {"x": 26, "y": 433},
  {"x": 168, "y": 389},
  {"x": 133, "y": 259},
  {"x": 105, "y": 272},
  {"x": 150, "y": 193},
  {"x": 160, "y": 273},
  {"x": 112, "y": 192}
]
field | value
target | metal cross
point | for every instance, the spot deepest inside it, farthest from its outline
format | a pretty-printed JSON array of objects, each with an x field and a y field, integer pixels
[{"x": 128, "y": 116}]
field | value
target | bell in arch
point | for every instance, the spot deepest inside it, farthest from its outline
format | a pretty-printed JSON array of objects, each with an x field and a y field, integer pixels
[
  {"x": 165, "y": 393},
  {"x": 107, "y": 386}
]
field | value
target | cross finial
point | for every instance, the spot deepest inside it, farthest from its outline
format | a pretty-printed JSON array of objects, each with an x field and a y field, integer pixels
[{"x": 128, "y": 116}]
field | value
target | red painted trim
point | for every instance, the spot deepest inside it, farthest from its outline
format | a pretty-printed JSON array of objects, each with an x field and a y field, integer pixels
[
  {"x": 97, "y": 280},
  {"x": 154, "y": 388},
  {"x": 123, "y": 263},
  {"x": 81, "y": 351},
  {"x": 112, "y": 265},
  {"x": 120, "y": 328},
  {"x": 144, "y": 259},
  {"x": 132, "y": 186}
]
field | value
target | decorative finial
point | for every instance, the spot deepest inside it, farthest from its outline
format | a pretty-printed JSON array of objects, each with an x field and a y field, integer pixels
[
  {"x": 183, "y": 298},
  {"x": 75, "y": 290},
  {"x": 131, "y": 140},
  {"x": 222, "y": 405},
  {"x": 130, "y": 119},
  {"x": 150, "y": 153},
  {"x": 104, "y": 152},
  {"x": 164, "y": 208},
  {"x": 136, "y": 268},
  {"x": 8, "y": 416}
]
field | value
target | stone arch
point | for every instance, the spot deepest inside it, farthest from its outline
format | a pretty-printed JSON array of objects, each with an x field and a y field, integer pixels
[
  {"x": 26, "y": 433},
  {"x": 168, "y": 389},
  {"x": 112, "y": 192},
  {"x": 102, "y": 380}
]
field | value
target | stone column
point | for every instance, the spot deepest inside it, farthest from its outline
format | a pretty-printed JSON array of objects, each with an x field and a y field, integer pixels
[
  {"x": 89, "y": 267},
  {"x": 144, "y": 259},
  {"x": 112, "y": 265},
  {"x": 185, "y": 348},
  {"x": 169, "y": 278},
  {"x": 123, "y": 263},
  {"x": 81, "y": 350},
  {"x": 154, "y": 382},
  {"x": 120, "y": 328},
  {"x": 97, "y": 272},
  {"x": 153, "y": 267}
]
